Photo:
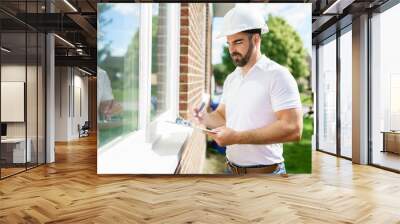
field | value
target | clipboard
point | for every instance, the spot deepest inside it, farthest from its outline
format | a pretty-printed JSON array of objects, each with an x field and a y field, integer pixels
[
  {"x": 205, "y": 130},
  {"x": 185, "y": 123}
]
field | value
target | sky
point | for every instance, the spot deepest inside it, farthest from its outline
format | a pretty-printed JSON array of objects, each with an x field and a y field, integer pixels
[
  {"x": 124, "y": 25},
  {"x": 298, "y": 15},
  {"x": 125, "y": 22}
]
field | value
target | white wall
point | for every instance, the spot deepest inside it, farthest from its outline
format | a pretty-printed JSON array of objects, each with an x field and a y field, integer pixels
[
  {"x": 80, "y": 83},
  {"x": 70, "y": 83},
  {"x": 61, "y": 100}
]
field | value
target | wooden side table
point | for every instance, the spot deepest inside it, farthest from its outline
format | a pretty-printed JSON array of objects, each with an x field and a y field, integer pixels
[{"x": 391, "y": 141}]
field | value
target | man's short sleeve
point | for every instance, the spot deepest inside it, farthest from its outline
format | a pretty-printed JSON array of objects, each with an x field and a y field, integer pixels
[
  {"x": 105, "y": 86},
  {"x": 284, "y": 91}
]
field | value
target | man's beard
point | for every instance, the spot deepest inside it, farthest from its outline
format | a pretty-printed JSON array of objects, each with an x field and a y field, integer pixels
[{"x": 242, "y": 61}]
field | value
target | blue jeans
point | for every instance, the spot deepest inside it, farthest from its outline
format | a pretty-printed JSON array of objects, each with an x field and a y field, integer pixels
[{"x": 280, "y": 170}]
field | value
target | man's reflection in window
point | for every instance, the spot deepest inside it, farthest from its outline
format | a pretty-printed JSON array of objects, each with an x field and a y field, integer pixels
[{"x": 107, "y": 106}]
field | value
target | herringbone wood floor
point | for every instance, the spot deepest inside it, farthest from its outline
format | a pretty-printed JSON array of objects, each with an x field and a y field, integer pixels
[{"x": 70, "y": 191}]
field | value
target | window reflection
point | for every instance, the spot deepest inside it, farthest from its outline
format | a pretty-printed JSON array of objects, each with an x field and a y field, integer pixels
[
  {"x": 159, "y": 60},
  {"x": 118, "y": 66}
]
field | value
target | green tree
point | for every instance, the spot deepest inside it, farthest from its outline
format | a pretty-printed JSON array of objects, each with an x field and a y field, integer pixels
[
  {"x": 219, "y": 71},
  {"x": 103, "y": 22},
  {"x": 282, "y": 44}
]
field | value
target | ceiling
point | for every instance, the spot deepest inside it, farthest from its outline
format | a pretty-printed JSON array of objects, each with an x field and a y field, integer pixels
[
  {"x": 74, "y": 22},
  {"x": 331, "y": 15}
]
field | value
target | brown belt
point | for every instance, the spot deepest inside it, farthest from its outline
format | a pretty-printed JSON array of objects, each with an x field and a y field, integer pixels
[{"x": 252, "y": 170}]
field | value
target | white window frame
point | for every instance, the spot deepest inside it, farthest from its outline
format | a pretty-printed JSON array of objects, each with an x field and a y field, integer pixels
[
  {"x": 148, "y": 131},
  {"x": 153, "y": 131}
]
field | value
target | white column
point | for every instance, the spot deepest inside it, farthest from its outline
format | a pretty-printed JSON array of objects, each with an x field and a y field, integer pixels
[
  {"x": 50, "y": 92},
  {"x": 360, "y": 90},
  {"x": 50, "y": 100}
]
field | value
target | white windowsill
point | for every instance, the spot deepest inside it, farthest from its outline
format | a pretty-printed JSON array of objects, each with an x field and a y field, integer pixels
[{"x": 132, "y": 155}]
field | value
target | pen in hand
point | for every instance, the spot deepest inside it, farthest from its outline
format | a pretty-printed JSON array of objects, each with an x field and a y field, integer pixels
[
  {"x": 201, "y": 107},
  {"x": 198, "y": 111}
]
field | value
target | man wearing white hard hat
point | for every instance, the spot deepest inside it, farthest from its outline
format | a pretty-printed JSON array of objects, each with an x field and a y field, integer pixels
[{"x": 260, "y": 106}]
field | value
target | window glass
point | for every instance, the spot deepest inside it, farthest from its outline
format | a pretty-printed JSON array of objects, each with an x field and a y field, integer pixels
[
  {"x": 118, "y": 70},
  {"x": 346, "y": 94},
  {"x": 385, "y": 88},
  {"x": 159, "y": 60},
  {"x": 13, "y": 84},
  {"x": 327, "y": 96}
]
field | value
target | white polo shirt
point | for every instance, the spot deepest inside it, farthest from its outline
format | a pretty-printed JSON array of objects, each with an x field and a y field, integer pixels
[
  {"x": 104, "y": 90},
  {"x": 251, "y": 102}
]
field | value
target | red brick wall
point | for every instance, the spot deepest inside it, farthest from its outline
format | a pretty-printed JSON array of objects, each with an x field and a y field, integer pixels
[
  {"x": 195, "y": 75},
  {"x": 208, "y": 48}
]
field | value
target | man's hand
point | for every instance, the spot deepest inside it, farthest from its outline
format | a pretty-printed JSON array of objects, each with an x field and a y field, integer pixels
[
  {"x": 211, "y": 120},
  {"x": 109, "y": 108},
  {"x": 199, "y": 116},
  {"x": 224, "y": 136}
]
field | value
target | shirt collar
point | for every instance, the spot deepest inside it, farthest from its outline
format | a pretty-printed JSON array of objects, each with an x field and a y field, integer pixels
[{"x": 261, "y": 62}]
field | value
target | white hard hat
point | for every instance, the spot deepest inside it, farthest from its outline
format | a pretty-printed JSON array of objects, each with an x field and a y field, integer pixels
[{"x": 242, "y": 18}]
